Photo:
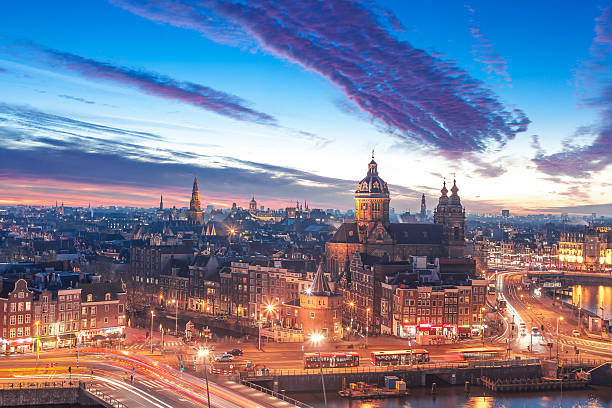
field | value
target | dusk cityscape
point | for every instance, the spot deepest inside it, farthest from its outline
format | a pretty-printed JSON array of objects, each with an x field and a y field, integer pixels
[{"x": 273, "y": 204}]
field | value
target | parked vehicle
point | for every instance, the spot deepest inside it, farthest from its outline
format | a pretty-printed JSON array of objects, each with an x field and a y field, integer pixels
[
  {"x": 225, "y": 358},
  {"x": 234, "y": 352},
  {"x": 575, "y": 333}
]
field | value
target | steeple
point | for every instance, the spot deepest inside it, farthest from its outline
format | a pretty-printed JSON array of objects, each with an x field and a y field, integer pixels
[
  {"x": 320, "y": 286},
  {"x": 161, "y": 202},
  {"x": 195, "y": 211},
  {"x": 423, "y": 206}
]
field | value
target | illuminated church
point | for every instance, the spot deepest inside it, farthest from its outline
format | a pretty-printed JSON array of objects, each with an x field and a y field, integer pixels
[{"x": 371, "y": 232}]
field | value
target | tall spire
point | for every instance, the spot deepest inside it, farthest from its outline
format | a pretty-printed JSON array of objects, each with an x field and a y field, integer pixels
[
  {"x": 195, "y": 211},
  {"x": 444, "y": 190},
  {"x": 423, "y": 205},
  {"x": 454, "y": 188},
  {"x": 161, "y": 202},
  {"x": 195, "y": 196}
]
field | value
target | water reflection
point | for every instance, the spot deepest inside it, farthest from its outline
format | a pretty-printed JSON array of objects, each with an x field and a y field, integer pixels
[{"x": 593, "y": 298}]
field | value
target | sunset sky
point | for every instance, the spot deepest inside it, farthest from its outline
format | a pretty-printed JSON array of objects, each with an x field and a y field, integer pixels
[{"x": 114, "y": 102}]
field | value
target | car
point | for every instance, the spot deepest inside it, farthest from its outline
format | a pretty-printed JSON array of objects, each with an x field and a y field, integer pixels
[
  {"x": 221, "y": 318},
  {"x": 234, "y": 352},
  {"x": 225, "y": 358},
  {"x": 575, "y": 333},
  {"x": 535, "y": 331}
]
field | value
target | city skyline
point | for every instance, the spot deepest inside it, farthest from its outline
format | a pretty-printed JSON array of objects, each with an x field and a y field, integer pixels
[{"x": 516, "y": 107}]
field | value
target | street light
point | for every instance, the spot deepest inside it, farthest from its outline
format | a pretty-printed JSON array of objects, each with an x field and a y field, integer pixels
[
  {"x": 203, "y": 353},
  {"x": 352, "y": 306},
  {"x": 151, "y": 339},
  {"x": 558, "y": 318},
  {"x": 176, "y": 318},
  {"x": 38, "y": 341},
  {"x": 316, "y": 339},
  {"x": 161, "y": 329},
  {"x": 367, "y": 326}
]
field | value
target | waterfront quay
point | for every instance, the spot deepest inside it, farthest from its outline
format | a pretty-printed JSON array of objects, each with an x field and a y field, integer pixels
[{"x": 301, "y": 380}]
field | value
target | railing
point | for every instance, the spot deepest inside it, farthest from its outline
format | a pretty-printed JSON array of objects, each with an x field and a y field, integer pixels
[
  {"x": 584, "y": 362},
  {"x": 105, "y": 398},
  {"x": 276, "y": 394},
  {"x": 393, "y": 368},
  {"x": 40, "y": 384}
]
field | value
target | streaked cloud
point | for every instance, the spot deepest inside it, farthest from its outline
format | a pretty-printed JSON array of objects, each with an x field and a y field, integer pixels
[
  {"x": 413, "y": 95},
  {"x": 577, "y": 160},
  {"x": 151, "y": 83},
  {"x": 485, "y": 52}
]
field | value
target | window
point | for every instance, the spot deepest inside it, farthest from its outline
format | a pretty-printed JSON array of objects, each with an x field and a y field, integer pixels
[
  {"x": 107, "y": 296},
  {"x": 28, "y": 306},
  {"x": 20, "y": 295},
  {"x": 61, "y": 306},
  {"x": 20, "y": 307},
  {"x": 75, "y": 306},
  {"x": 83, "y": 310},
  {"x": 93, "y": 310},
  {"x": 13, "y": 320},
  {"x": 75, "y": 326},
  {"x": 20, "y": 319},
  {"x": 68, "y": 306},
  {"x": 61, "y": 327},
  {"x": 62, "y": 298},
  {"x": 19, "y": 331},
  {"x": 89, "y": 297},
  {"x": 120, "y": 308},
  {"x": 92, "y": 322},
  {"x": 68, "y": 316},
  {"x": 84, "y": 323},
  {"x": 106, "y": 320},
  {"x": 12, "y": 333},
  {"x": 27, "y": 331},
  {"x": 312, "y": 315},
  {"x": 61, "y": 317},
  {"x": 106, "y": 308},
  {"x": 27, "y": 318},
  {"x": 45, "y": 299},
  {"x": 75, "y": 316}
]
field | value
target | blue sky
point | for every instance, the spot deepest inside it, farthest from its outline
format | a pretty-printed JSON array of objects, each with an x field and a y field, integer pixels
[{"x": 114, "y": 102}]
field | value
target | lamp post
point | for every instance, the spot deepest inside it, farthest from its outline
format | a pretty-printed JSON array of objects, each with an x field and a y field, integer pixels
[
  {"x": 352, "y": 306},
  {"x": 161, "y": 328},
  {"x": 482, "y": 310},
  {"x": 367, "y": 326},
  {"x": 151, "y": 339},
  {"x": 176, "y": 317},
  {"x": 259, "y": 333},
  {"x": 203, "y": 353},
  {"x": 37, "y": 341},
  {"x": 558, "y": 318},
  {"x": 316, "y": 339}
]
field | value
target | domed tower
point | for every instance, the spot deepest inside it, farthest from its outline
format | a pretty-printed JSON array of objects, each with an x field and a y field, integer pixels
[
  {"x": 371, "y": 201},
  {"x": 451, "y": 214},
  {"x": 253, "y": 206}
]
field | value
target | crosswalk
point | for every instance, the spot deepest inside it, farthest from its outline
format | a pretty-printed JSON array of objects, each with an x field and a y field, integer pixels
[
  {"x": 167, "y": 345},
  {"x": 150, "y": 383}
]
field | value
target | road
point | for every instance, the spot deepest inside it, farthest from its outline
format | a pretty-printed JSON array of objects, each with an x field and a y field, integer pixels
[
  {"x": 539, "y": 311},
  {"x": 154, "y": 384}
]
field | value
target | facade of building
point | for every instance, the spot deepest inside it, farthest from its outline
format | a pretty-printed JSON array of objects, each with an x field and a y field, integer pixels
[
  {"x": 587, "y": 251},
  {"x": 446, "y": 311},
  {"x": 103, "y": 311},
  {"x": 373, "y": 234}
]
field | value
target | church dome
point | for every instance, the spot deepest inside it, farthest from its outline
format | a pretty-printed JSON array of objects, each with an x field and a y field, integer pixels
[{"x": 372, "y": 183}]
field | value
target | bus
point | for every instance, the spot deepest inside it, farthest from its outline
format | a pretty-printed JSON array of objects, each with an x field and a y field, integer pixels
[
  {"x": 482, "y": 353},
  {"x": 399, "y": 357},
  {"x": 331, "y": 360}
]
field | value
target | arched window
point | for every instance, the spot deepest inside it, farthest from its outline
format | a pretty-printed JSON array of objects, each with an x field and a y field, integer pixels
[
  {"x": 107, "y": 296},
  {"x": 89, "y": 297}
]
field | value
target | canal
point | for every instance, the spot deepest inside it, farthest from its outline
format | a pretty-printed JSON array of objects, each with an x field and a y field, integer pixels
[
  {"x": 593, "y": 298},
  {"x": 595, "y": 397}
]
